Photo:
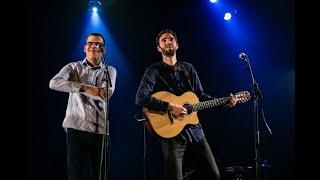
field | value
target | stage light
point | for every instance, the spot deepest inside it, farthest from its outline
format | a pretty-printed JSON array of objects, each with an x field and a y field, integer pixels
[
  {"x": 213, "y": 1},
  {"x": 94, "y": 6},
  {"x": 227, "y": 16},
  {"x": 94, "y": 9}
]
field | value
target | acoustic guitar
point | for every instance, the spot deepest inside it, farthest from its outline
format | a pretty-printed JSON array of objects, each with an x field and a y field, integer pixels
[{"x": 167, "y": 125}]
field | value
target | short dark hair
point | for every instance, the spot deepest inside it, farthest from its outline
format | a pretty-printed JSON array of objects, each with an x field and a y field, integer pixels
[
  {"x": 166, "y": 31},
  {"x": 97, "y": 34}
]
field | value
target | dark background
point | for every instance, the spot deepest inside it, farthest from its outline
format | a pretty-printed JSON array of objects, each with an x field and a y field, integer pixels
[{"x": 264, "y": 30}]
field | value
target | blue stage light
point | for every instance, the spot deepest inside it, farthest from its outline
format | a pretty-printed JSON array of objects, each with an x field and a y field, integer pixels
[
  {"x": 94, "y": 6},
  {"x": 227, "y": 16}
]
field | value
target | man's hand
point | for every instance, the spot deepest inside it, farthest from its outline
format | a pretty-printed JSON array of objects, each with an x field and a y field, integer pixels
[
  {"x": 95, "y": 91},
  {"x": 177, "y": 110},
  {"x": 233, "y": 101}
]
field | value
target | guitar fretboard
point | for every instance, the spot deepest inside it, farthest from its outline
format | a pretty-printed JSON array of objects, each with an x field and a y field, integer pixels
[{"x": 209, "y": 104}]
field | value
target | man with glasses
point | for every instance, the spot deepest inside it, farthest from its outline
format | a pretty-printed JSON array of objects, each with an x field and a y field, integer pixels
[{"x": 87, "y": 82}]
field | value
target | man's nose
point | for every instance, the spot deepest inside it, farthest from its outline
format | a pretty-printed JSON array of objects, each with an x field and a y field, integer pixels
[{"x": 95, "y": 45}]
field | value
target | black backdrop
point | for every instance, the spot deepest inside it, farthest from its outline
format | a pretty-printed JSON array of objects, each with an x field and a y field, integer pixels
[{"x": 54, "y": 29}]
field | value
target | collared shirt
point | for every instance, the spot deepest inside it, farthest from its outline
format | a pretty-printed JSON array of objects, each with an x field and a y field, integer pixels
[
  {"x": 84, "y": 111},
  {"x": 162, "y": 77}
]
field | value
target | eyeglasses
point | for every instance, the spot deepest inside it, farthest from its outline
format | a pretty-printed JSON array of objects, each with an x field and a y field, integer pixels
[{"x": 98, "y": 44}]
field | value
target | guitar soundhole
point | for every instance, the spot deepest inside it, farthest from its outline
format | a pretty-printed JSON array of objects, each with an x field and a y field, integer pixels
[{"x": 188, "y": 107}]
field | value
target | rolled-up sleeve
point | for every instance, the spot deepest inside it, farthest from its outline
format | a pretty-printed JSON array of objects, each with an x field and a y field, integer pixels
[{"x": 60, "y": 81}]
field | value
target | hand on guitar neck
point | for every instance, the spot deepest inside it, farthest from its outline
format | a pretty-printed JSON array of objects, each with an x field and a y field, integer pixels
[
  {"x": 177, "y": 110},
  {"x": 233, "y": 100}
]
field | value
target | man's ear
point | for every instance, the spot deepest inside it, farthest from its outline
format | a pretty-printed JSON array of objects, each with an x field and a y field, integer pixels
[{"x": 158, "y": 48}]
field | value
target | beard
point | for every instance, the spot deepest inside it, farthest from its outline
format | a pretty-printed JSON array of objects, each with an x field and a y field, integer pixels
[{"x": 168, "y": 52}]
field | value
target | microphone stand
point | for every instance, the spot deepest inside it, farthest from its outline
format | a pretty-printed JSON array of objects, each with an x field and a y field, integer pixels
[
  {"x": 257, "y": 96},
  {"x": 105, "y": 151}
]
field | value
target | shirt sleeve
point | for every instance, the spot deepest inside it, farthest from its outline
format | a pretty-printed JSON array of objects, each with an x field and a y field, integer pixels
[
  {"x": 60, "y": 81},
  {"x": 146, "y": 88}
]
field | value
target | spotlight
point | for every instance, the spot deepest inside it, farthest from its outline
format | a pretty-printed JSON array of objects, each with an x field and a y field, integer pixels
[
  {"x": 94, "y": 5},
  {"x": 227, "y": 16}
]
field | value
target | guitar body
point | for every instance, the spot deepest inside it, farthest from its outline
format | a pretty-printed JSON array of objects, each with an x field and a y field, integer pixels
[{"x": 165, "y": 124}]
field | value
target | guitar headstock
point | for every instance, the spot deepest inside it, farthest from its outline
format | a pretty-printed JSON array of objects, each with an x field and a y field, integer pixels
[{"x": 242, "y": 96}]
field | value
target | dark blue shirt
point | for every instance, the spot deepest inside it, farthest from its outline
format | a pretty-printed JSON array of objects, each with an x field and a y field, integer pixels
[{"x": 162, "y": 77}]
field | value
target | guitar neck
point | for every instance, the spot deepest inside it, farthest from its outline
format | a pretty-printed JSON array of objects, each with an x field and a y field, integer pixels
[{"x": 209, "y": 104}]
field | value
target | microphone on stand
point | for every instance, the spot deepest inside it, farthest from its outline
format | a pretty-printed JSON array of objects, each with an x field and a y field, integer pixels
[
  {"x": 101, "y": 48},
  {"x": 106, "y": 69},
  {"x": 243, "y": 56}
]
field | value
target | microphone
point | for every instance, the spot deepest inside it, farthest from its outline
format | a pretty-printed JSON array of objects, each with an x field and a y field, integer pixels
[
  {"x": 243, "y": 56},
  {"x": 101, "y": 48}
]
